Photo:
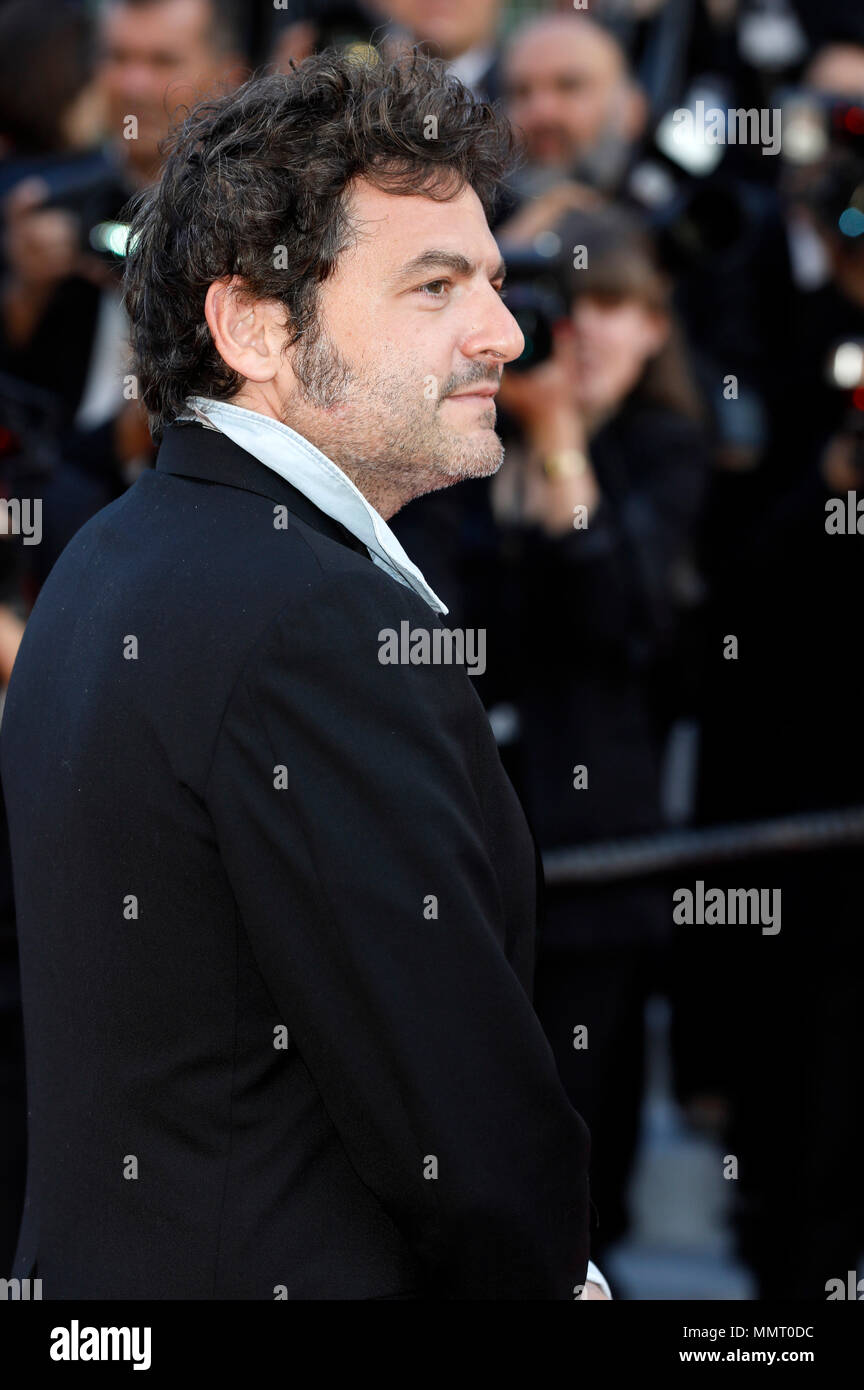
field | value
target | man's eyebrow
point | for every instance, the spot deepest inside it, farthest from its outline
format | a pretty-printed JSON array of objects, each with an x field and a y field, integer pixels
[{"x": 450, "y": 260}]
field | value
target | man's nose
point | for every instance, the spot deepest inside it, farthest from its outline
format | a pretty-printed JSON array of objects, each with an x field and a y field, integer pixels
[
  {"x": 496, "y": 333},
  {"x": 516, "y": 339},
  {"x": 139, "y": 83},
  {"x": 540, "y": 107}
]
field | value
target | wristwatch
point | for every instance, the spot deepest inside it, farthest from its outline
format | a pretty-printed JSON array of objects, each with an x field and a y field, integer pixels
[{"x": 564, "y": 463}]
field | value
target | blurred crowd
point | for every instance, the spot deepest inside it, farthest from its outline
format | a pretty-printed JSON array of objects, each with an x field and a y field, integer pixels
[{"x": 669, "y": 636}]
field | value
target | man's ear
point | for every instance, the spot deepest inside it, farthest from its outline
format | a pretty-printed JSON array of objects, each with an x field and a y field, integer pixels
[{"x": 245, "y": 331}]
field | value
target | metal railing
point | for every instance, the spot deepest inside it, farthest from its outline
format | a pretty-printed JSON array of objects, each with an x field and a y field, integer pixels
[{"x": 641, "y": 856}]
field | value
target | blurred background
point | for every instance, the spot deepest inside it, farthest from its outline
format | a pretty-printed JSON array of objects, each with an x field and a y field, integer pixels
[{"x": 672, "y": 639}]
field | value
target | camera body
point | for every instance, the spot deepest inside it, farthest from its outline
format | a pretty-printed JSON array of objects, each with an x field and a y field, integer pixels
[
  {"x": 536, "y": 299},
  {"x": 96, "y": 197}
]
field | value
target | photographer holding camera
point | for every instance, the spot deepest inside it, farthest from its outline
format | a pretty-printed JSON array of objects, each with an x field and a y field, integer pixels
[{"x": 62, "y": 327}]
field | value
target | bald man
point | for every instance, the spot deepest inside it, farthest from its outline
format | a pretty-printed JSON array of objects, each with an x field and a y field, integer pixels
[{"x": 570, "y": 93}]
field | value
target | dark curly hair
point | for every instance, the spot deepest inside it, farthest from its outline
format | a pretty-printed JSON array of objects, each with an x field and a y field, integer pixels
[{"x": 266, "y": 167}]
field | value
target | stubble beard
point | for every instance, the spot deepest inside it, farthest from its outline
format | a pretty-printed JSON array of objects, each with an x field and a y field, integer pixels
[{"x": 385, "y": 434}]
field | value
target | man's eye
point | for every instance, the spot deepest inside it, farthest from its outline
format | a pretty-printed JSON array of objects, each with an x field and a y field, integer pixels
[
  {"x": 500, "y": 290},
  {"x": 428, "y": 289}
]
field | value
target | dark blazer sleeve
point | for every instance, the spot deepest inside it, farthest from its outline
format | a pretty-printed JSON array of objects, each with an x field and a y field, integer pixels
[{"x": 415, "y": 1028}]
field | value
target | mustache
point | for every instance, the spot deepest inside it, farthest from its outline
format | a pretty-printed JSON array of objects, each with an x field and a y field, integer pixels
[
  {"x": 480, "y": 377},
  {"x": 544, "y": 132}
]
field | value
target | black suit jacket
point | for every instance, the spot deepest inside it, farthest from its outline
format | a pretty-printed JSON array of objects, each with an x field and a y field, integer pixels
[{"x": 260, "y": 1060}]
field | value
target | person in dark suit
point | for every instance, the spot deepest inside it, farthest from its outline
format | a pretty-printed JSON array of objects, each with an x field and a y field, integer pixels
[{"x": 275, "y": 894}]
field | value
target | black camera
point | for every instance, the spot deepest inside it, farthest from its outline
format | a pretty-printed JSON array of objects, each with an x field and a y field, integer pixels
[
  {"x": 96, "y": 198},
  {"x": 534, "y": 297}
]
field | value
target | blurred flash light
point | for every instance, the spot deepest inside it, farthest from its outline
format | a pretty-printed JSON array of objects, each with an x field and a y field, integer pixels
[
  {"x": 847, "y": 365},
  {"x": 547, "y": 244},
  {"x": 652, "y": 185},
  {"x": 851, "y": 222},
  {"x": 805, "y": 133},
  {"x": 771, "y": 37},
  {"x": 112, "y": 237},
  {"x": 687, "y": 147}
]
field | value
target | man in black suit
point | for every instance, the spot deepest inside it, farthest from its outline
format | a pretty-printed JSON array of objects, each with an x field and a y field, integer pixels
[{"x": 275, "y": 894}]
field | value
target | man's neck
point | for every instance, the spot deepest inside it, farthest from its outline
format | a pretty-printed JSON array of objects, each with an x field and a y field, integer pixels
[
  {"x": 385, "y": 502},
  {"x": 320, "y": 430}
]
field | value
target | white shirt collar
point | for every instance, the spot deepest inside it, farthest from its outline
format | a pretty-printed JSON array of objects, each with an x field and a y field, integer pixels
[{"x": 318, "y": 478}]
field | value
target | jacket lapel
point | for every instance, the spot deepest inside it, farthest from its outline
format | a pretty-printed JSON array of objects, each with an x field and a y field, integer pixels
[{"x": 191, "y": 451}]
